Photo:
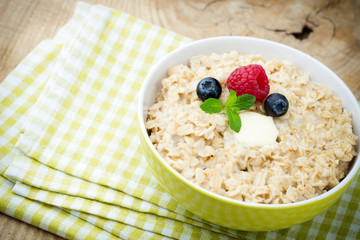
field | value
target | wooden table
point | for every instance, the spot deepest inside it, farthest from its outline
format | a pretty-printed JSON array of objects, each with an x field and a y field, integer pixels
[{"x": 326, "y": 30}]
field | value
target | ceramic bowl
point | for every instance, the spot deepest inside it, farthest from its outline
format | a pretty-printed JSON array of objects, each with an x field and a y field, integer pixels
[{"x": 222, "y": 210}]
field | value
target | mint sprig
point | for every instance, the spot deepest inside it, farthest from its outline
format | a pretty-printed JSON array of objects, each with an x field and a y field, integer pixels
[{"x": 233, "y": 105}]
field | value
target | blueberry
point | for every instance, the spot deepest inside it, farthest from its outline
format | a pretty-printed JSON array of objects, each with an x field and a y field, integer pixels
[
  {"x": 208, "y": 88},
  {"x": 276, "y": 105}
]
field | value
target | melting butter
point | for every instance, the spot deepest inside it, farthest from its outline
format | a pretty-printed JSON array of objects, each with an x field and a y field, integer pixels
[{"x": 257, "y": 129}]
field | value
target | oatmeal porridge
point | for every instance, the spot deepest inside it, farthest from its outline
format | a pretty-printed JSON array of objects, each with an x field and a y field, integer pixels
[{"x": 311, "y": 153}]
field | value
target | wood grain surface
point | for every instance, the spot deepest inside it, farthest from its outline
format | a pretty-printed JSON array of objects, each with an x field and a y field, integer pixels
[{"x": 326, "y": 30}]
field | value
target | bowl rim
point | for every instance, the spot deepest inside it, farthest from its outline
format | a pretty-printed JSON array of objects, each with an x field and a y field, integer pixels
[{"x": 140, "y": 114}]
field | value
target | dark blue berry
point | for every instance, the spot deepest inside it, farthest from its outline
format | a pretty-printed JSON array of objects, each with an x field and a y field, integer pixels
[
  {"x": 208, "y": 88},
  {"x": 276, "y": 105}
]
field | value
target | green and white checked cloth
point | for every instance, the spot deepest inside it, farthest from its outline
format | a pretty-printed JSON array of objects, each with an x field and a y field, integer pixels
[{"x": 71, "y": 161}]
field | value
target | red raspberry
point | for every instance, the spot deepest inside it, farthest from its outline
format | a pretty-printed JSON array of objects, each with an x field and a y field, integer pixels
[{"x": 250, "y": 79}]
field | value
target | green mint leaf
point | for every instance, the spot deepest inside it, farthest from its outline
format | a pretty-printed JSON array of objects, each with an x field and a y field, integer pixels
[
  {"x": 231, "y": 99},
  {"x": 234, "y": 119},
  {"x": 211, "y": 105},
  {"x": 244, "y": 102},
  {"x": 233, "y": 105}
]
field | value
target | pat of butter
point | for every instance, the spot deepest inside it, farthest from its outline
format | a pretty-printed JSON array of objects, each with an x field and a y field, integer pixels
[{"x": 257, "y": 129}]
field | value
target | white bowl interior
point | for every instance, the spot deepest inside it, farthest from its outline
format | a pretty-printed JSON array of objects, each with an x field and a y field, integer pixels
[{"x": 319, "y": 73}]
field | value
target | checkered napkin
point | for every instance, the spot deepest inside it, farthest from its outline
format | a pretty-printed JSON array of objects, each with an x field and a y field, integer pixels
[{"x": 71, "y": 162}]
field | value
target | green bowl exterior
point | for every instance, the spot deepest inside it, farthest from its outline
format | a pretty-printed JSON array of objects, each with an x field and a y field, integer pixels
[{"x": 228, "y": 213}]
